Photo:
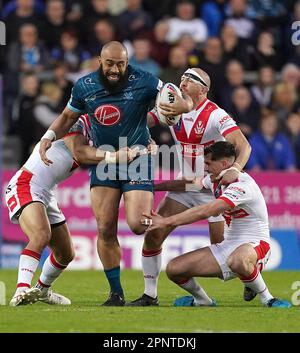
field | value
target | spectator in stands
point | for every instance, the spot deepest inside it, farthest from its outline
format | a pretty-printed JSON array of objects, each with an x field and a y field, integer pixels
[
  {"x": 60, "y": 71},
  {"x": 54, "y": 23},
  {"x": 265, "y": 52},
  {"x": 235, "y": 77},
  {"x": 186, "y": 22},
  {"x": 262, "y": 90},
  {"x": 212, "y": 13},
  {"x": 271, "y": 149},
  {"x": 233, "y": 47},
  {"x": 134, "y": 21},
  {"x": 47, "y": 107},
  {"x": 237, "y": 18},
  {"x": 160, "y": 48},
  {"x": 23, "y": 120},
  {"x": 159, "y": 9},
  {"x": 141, "y": 57},
  {"x": 11, "y": 6},
  {"x": 25, "y": 12},
  {"x": 213, "y": 63},
  {"x": 86, "y": 67},
  {"x": 284, "y": 101},
  {"x": 104, "y": 32},
  {"x": 188, "y": 44},
  {"x": 290, "y": 74},
  {"x": 27, "y": 54},
  {"x": 178, "y": 65},
  {"x": 245, "y": 111},
  {"x": 267, "y": 14},
  {"x": 95, "y": 11},
  {"x": 70, "y": 51},
  {"x": 75, "y": 11},
  {"x": 293, "y": 132}
]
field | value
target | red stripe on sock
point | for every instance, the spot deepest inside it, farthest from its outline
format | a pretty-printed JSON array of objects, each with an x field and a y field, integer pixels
[
  {"x": 23, "y": 285},
  {"x": 55, "y": 263},
  {"x": 43, "y": 284},
  {"x": 31, "y": 253},
  {"x": 252, "y": 277},
  {"x": 153, "y": 252}
]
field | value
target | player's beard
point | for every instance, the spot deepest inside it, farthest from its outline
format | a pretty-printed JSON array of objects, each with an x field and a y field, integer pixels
[{"x": 113, "y": 86}]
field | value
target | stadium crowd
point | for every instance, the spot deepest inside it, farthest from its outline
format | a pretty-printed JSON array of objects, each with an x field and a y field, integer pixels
[{"x": 245, "y": 47}]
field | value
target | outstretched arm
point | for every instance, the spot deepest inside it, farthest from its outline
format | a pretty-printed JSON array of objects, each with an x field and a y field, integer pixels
[
  {"x": 179, "y": 185},
  {"x": 60, "y": 126},
  {"x": 243, "y": 150},
  {"x": 85, "y": 154},
  {"x": 194, "y": 214}
]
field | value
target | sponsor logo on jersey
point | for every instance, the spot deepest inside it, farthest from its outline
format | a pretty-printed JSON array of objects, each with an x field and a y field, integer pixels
[
  {"x": 107, "y": 114},
  {"x": 128, "y": 95},
  {"x": 132, "y": 78},
  {"x": 237, "y": 189},
  {"x": 224, "y": 119},
  {"x": 88, "y": 81},
  {"x": 192, "y": 150},
  {"x": 231, "y": 195}
]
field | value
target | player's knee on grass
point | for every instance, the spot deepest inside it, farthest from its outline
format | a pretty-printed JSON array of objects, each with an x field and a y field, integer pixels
[{"x": 172, "y": 270}]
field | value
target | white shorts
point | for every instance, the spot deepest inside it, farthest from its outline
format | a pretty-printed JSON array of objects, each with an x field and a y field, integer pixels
[
  {"x": 195, "y": 198},
  {"x": 21, "y": 191},
  {"x": 223, "y": 250}
]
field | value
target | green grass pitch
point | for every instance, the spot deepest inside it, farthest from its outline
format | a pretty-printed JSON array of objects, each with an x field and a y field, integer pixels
[{"x": 88, "y": 289}]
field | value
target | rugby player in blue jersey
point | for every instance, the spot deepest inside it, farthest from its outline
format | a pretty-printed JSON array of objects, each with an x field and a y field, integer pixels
[{"x": 117, "y": 98}]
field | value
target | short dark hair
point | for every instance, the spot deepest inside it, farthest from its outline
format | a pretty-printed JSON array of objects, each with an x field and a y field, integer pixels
[{"x": 220, "y": 149}]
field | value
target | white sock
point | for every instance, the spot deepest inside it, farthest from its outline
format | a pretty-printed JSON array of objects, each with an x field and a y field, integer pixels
[
  {"x": 51, "y": 270},
  {"x": 151, "y": 263},
  {"x": 28, "y": 264},
  {"x": 199, "y": 294},
  {"x": 257, "y": 284}
]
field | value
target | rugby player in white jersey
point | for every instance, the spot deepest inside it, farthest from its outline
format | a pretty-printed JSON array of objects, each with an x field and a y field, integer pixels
[
  {"x": 31, "y": 203},
  {"x": 204, "y": 125},
  {"x": 246, "y": 247}
]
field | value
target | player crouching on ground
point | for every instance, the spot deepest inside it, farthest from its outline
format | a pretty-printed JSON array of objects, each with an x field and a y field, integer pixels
[
  {"x": 32, "y": 204},
  {"x": 245, "y": 250}
]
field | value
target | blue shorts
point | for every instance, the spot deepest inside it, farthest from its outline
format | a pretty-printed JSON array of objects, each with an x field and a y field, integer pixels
[{"x": 137, "y": 175}]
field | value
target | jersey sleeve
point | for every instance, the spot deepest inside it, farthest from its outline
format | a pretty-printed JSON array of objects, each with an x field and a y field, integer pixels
[
  {"x": 224, "y": 122},
  {"x": 153, "y": 86},
  {"x": 236, "y": 194},
  {"x": 77, "y": 128},
  {"x": 82, "y": 126},
  {"x": 76, "y": 102},
  {"x": 153, "y": 114}
]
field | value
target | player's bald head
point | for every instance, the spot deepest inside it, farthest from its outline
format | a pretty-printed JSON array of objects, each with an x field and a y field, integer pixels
[
  {"x": 204, "y": 75},
  {"x": 114, "y": 49},
  {"x": 113, "y": 65}
]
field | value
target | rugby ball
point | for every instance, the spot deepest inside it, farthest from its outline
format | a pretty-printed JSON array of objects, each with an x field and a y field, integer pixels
[{"x": 166, "y": 95}]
